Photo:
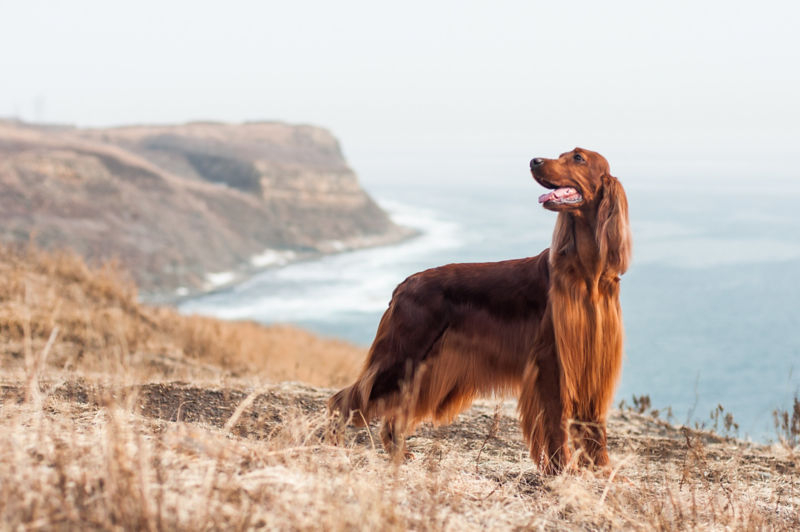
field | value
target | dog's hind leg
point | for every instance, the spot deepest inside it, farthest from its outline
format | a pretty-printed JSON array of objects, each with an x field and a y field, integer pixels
[{"x": 393, "y": 438}]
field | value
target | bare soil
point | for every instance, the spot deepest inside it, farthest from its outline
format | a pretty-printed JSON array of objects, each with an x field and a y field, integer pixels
[{"x": 661, "y": 475}]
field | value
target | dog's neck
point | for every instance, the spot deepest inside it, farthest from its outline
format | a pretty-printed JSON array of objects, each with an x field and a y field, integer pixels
[{"x": 575, "y": 236}]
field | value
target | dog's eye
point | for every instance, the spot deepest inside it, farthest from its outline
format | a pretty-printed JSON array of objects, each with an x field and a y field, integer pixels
[{"x": 578, "y": 158}]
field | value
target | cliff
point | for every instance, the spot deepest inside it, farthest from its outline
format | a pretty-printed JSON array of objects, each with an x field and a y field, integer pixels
[{"x": 176, "y": 205}]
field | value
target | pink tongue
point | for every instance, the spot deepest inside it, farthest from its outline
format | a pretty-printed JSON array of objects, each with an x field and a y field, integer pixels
[{"x": 557, "y": 194}]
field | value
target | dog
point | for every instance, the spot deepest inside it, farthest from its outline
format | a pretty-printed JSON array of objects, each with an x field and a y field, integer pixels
[{"x": 546, "y": 328}]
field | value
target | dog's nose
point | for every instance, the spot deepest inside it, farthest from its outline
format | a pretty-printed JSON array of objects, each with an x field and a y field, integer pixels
[{"x": 536, "y": 162}]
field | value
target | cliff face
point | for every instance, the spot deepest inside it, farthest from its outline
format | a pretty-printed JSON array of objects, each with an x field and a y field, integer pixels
[{"x": 175, "y": 204}]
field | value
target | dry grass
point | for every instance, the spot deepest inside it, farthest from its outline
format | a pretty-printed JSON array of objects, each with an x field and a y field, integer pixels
[
  {"x": 102, "y": 328},
  {"x": 98, "y": 435}
]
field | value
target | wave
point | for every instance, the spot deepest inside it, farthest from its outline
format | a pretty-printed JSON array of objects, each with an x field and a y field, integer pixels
[{"x": 352, "y": 282}]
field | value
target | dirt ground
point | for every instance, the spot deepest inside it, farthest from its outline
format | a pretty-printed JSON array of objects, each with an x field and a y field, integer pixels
[
  {"x": 120, "y": 416},
  {"x": 662, "y": 476}
]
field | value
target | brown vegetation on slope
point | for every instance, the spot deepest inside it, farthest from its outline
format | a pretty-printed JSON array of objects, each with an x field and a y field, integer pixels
[
  {"x": 100, "y": 327},
  {"x": 99, "y": 435}
]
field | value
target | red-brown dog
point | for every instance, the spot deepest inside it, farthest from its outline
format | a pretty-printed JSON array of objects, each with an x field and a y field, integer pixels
[{"x": 548, "y": 328}]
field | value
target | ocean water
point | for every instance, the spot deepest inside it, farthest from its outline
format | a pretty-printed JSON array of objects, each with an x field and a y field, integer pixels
[{"x": 711, "y": 303}]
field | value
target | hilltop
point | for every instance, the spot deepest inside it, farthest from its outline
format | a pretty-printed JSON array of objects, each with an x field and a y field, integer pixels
[
  {"x": 117, "y": 415},
  {"x": 186, "y": 207}
]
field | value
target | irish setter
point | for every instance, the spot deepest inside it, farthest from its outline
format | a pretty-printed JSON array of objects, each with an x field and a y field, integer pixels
[{"x": 548, "y": 328}]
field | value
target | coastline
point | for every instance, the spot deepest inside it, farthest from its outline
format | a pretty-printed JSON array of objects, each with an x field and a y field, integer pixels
[{"x": 270, "y": 259}]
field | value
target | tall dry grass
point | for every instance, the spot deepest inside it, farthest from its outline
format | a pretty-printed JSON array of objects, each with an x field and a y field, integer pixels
[
  {"x": 103, "y": 327},
  {"x": 90, "y": 443},
  {"x": 103, "y": 464}
]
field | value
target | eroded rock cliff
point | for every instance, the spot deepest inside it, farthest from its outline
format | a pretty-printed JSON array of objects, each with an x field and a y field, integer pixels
[{"x": 176, "y": 205}]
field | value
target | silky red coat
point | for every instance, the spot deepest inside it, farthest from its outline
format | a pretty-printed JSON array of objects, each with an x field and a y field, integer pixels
[{"x": 546, "y": 328}]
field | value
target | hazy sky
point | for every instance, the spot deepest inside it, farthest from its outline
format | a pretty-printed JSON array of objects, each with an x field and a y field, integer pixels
[{"x": 428, "y": 90}]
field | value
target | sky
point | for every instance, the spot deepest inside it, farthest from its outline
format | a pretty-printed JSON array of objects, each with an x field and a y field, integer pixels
[{"x": 433, "y": 91}]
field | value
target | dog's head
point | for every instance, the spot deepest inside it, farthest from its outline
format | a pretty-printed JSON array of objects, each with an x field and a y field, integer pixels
[
  {"x": 581, "y": 185},
  {"x": 575, "y": 179}
]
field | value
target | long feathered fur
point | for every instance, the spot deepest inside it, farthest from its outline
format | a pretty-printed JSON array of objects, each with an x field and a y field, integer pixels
[{"x": 548, "y": 328}]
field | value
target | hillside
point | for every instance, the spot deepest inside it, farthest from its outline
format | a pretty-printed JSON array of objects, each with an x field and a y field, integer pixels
[
  {"x": 101, "y": 327},
  {"x": 117, "y": 415},
  {"x": 188, "y": 206}
]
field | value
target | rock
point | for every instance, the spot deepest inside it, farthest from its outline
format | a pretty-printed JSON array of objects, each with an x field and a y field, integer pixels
[{"x": 178, "y": 205}]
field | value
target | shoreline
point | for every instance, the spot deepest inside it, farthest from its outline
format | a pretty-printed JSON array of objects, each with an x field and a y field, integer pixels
[{"x": 286, "y": 257}]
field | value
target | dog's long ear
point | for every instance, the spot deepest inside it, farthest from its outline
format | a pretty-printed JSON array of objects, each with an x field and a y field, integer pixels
[{"x": 613, "y": 230}]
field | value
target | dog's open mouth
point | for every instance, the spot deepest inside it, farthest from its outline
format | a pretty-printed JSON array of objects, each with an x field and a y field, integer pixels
[{"x": 565, "y": 195}]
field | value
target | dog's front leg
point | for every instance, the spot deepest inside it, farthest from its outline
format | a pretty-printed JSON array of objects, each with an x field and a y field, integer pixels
[
  {"x": 590, "y": 438},
  {"x": 542, "y": 414}
]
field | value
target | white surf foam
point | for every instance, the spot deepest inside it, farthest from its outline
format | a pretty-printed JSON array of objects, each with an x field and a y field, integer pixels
[
  {"x": 272, "y": 257},
  {"x": 218, "y": 279},
  {"x": 359, "y": 281}
]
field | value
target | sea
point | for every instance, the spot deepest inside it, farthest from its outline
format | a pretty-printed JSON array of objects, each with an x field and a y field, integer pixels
[{"x": 711, "y": 303}]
